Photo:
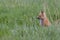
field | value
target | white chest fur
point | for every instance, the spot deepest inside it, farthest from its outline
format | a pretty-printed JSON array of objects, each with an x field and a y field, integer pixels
[{"x": 41, "y": 22}]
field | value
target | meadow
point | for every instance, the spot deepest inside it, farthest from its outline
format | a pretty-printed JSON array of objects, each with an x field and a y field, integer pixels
[{"x": 18, "y": 20}]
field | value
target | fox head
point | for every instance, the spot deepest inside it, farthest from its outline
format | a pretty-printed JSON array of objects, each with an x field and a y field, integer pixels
[{"x": 41, "y": 15}]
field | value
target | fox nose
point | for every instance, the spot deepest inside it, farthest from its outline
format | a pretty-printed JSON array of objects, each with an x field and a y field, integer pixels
[{"x": 38, "y": 18}]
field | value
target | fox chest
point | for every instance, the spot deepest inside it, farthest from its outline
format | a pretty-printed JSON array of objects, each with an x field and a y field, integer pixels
[
  {"x": 44, "y": 22},
  {"x": 41, "y": 22}
]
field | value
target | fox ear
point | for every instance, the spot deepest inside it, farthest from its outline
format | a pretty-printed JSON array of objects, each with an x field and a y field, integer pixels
[{"x": 43, "y": 13}]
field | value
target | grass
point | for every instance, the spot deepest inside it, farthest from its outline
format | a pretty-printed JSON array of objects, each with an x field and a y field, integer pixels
[{"x": 18, "y": 20}]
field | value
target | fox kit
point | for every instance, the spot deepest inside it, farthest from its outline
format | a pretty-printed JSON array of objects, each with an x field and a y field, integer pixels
[{"x": 44, "y": 21}]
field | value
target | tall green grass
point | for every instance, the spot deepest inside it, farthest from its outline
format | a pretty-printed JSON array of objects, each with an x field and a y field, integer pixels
[{"x": 18, "y": 20}]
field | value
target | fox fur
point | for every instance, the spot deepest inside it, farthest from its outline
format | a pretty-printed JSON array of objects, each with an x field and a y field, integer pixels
[{"x": 44, "y": 21}]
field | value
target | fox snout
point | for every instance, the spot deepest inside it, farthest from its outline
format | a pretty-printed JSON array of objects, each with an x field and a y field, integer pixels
[{"x": 38, "y": 17}]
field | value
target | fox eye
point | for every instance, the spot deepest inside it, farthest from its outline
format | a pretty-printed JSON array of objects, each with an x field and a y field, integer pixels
[{"x": 39, "y": 16}]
